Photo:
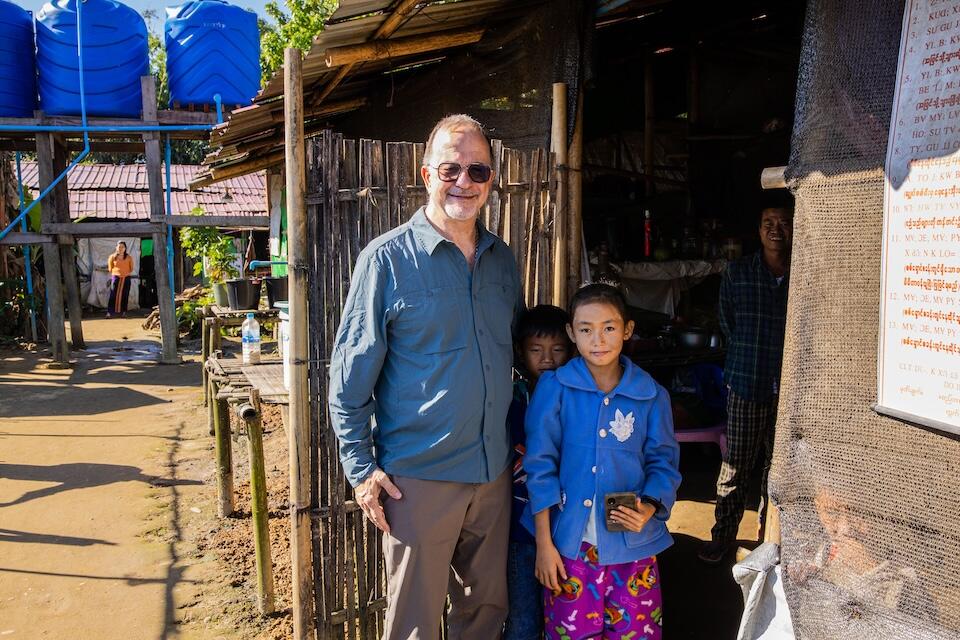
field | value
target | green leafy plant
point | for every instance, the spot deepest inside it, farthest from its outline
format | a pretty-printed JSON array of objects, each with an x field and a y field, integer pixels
[
  {"x": 190, "y": 315},
  {"x": 294, "y": 27},
  {"x": 207, "y": 243}
]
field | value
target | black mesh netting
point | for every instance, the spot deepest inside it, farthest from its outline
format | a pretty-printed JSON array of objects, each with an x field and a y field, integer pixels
[{"x": 870, "y": 517}]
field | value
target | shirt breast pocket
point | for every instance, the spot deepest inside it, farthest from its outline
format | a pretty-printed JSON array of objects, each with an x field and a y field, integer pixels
[
  {"x": 497, "y": 301},
  {"x": 430, "y": 322}
]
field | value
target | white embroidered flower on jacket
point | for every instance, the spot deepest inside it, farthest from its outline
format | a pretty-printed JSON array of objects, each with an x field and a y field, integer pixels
[{"x": 622, "y": 426}]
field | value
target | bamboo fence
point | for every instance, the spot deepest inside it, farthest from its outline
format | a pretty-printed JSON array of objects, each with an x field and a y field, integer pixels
[{"x": 357, "y": 190}]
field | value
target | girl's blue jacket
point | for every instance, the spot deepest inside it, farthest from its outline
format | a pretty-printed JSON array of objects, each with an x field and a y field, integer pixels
[{"x": 583, "y": 444}]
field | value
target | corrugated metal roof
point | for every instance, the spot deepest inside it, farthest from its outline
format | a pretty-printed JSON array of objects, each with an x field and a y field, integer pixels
[
  {"x": 134, "y": 176},
  {"x": 256, "y": 132},
  {"x": 106, "y": 191}
]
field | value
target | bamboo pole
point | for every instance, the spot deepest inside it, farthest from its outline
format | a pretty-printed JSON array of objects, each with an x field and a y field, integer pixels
[
  {"x": 224, "y": 452},
  {"x": 648, "y": 123},
  {"x": 386, "y": 49},
  {"x": 385, "y": 30},
  {"x": 693, "y": 95},
  {"x": 558, "y": 145},
  {"x": 575, "y": 199},
  {"x": 301, "y": 561},
  {"x": 251, "y": 414},
  {"x": 773, "y": 178}
]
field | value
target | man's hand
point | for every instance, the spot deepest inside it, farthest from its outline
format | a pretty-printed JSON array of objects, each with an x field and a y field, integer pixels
[
  {"x": 634, "y": 520},
  {"x": 549, "y": 569},
  {"x": 368, "y": 497}
]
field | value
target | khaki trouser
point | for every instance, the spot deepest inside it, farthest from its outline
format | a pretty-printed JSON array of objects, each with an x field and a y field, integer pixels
[{"x": 447, "y": 537}]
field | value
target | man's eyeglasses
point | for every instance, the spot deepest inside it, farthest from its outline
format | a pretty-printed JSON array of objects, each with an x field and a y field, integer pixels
[{"x": 450, "y": 171}]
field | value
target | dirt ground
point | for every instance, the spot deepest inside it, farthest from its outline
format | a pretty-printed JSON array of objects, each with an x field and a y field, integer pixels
[{"x": 108, "y": 525}]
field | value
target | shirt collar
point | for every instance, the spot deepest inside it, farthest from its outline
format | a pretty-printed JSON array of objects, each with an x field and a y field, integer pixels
[
  {"x": 761, "y": 267},
  {"x": 635, "y": 383},
  {"x": 430, "y": 238}
]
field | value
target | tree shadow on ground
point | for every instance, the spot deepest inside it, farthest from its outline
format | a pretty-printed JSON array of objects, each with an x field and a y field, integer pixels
[
  {"x": 78, "y": 475},
  {"x": 34, "y": 400},
  {"x": 29, "y": 537}
]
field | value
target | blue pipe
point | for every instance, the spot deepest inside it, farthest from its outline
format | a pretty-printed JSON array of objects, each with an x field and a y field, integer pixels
[
  {"x": 219, "y": 102},
  {"x": 167, "y": 154},
  {"x": 132, "y": 128},
  {"x": 27, "y": 264},
  {"x": 264, "y": 263}
]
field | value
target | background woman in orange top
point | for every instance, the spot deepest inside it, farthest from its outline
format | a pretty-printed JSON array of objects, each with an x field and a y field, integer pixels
[{"x": 120, "y": 265}]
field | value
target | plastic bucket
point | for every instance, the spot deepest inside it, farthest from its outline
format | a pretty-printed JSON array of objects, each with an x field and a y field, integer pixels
[
  {"x": 276, "y": 290},
  {"x": 284, "y": 341},
  {"x": 220, "y": 294},
  {"x": 243, "y": 294}
]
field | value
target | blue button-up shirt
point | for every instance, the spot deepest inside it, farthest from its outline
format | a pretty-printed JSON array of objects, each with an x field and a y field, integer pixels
[{"x": 425, "y": 348}]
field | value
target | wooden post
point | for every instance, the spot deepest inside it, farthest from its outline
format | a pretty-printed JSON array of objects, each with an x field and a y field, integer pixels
[
  {"x": 51, "y": 257},
  {"x": 151, "y": 144},
  {"x": 205, "y": 325},
  {"x": 771, "y": 529},
  {"x": 575, "y": 199},
  {"x": 648, "y": 123},
  {"x": 59, "y": 201},
  {"x": 349, "y": 55},
  {"x": 693, "y": 90},
  {"x": 224, "y": 449},
  {"x": 558, "y": 145},
  {"x": 258, "y": 502},
  {"x": 300, "y": 556}
]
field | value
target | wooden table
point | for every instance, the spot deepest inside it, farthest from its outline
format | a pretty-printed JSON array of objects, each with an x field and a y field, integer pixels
[
  {"x": 235, "y": 379},
  {"x": 247, "y": 387},
  {"x": 216, "y": 318}
]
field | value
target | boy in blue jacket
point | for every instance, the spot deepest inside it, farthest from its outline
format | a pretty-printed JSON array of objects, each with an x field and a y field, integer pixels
[
  {"x": 600, "y": 425},
  {"x": 542, "y": 345}
]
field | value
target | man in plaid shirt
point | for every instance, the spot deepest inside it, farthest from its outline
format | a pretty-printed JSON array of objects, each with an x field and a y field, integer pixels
[{"x": 753, "y": 311}]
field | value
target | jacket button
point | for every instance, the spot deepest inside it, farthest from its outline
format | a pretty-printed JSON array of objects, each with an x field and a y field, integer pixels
[
  {"x": 603, "y": 433},
  {"x": 606, "y": 401},
  {"x": 593, "y": 469},
  {"x": 588, "y": 502}
]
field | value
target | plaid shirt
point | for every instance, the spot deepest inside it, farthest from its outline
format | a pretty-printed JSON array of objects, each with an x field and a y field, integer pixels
[{"x": 753, "y": 314}]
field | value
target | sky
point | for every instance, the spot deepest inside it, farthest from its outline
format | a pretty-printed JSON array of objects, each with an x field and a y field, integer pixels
[{"x": 158, "y": 5}]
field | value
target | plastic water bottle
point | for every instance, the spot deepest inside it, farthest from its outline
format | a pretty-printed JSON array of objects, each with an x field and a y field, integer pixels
[{"x": 250, "y": 335}]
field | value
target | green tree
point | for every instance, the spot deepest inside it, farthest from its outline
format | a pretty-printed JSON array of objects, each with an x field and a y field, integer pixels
[{"x": 295, "y": 27}]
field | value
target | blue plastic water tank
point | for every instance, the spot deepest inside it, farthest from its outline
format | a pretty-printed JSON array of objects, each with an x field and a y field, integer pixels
[
  {"x": 212, "y": 47},
  {"x": 115, "y": 56},
  {"x": 18, "y": 88}
]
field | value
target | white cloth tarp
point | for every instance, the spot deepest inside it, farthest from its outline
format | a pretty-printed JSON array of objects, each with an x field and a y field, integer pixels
[
  {"x": 765, "y": 612},
  {"x": 92, "y": 255},
  {"x": 656, "y": 286}
]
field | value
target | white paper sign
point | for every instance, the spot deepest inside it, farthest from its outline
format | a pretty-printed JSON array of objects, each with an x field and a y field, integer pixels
[{"x": 919, "y": 349}]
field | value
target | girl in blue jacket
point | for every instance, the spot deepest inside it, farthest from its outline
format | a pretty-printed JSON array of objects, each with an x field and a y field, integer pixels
[{"x": 596, "y": 426}]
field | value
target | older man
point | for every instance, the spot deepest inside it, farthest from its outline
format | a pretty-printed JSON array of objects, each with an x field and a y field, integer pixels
[
  {"x": 424, "y": 347},
  {"x": 753, "y": 312}
]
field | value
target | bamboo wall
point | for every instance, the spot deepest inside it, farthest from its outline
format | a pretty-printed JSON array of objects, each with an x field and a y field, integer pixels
[{"x": 357, "y": 190}]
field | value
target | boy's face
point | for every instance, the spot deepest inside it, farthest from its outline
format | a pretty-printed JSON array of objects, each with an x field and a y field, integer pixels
[{"x": 544, "y": 353}]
